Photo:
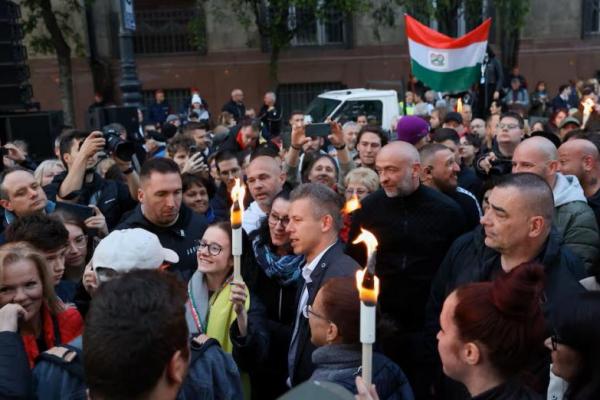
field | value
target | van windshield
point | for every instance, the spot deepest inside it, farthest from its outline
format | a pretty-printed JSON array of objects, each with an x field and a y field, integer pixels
[{"x": 320, "y": 108}]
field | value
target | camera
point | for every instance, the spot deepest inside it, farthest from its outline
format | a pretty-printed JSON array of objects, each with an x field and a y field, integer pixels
[
  {"x": 123, "y": 149},
  {"x": 500, "y": 167}
]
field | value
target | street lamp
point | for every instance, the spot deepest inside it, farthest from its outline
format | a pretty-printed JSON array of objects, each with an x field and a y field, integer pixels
[{"x": 129, "y": 83}]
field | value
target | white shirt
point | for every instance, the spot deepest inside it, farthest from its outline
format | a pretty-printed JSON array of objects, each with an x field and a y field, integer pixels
[
  {"x": 252, "y": 217},
  {"x": 307, "y": 270}
]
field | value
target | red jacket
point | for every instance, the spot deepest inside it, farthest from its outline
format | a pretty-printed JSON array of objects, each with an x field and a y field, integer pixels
[{"x": 70, "y": 325}]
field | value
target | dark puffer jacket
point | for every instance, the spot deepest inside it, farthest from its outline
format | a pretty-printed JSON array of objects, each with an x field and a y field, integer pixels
[
  {"x": 470, "y": 260},
  {"x": 341, "y": 364}
]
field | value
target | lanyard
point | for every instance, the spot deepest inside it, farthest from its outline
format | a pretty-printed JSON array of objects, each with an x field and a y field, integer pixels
[{"x": 203, "y": 326}]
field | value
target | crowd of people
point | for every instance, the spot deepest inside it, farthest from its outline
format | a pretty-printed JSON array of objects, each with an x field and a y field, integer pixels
[{"x": 117, "y": 256}]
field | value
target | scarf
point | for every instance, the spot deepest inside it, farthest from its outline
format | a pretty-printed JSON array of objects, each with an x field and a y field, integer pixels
[
  {"x": 286, "y": 269},
  {"x": 212, "y": 316}
]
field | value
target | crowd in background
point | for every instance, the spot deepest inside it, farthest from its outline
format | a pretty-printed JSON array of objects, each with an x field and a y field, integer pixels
[{"x": 116, "y": 263}]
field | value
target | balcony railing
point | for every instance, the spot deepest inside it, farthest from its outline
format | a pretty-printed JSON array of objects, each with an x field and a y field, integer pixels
[{"x": 166, "y": 31}]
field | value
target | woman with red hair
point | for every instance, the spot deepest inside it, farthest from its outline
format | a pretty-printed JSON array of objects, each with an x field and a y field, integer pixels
[{"x": 490, "y": 332}]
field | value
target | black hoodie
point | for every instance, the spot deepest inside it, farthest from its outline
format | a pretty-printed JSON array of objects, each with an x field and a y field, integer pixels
[{"x": 181, "y": 237}]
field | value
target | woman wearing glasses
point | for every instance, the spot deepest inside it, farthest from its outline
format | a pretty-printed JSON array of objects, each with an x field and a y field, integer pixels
[
  {"x": 334, "y": 320},
  {"x": 490, "y": 331},
  {"x": 275, "y": 281},
  {"x": 575, "y": 347},
  {"x": 79, "y": 251},
  {"x": 360, "y": 182},
  {"x": 221, "y": 308}
]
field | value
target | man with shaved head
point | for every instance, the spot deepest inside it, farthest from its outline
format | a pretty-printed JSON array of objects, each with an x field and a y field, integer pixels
[
  {"x": 439, "y": 171},
  {"x": 414, "y": 226},
  {"x": 515, "y": 230},
  {"x": 580, "y": 157},
  {"x": 236, "y": 106},
  {"x": 574, "y": 219}
]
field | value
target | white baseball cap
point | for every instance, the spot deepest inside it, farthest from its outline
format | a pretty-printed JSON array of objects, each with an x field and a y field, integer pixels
[{"x": 129, "y": 249}]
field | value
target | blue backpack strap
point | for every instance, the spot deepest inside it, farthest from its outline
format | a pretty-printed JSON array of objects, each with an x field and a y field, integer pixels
[{"x": 67, "y": 357}]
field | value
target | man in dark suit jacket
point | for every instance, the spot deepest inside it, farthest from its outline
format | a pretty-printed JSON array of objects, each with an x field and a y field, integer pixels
[{"x": 315, "y": 222}]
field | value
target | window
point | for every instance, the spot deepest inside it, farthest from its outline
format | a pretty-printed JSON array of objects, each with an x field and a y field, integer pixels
[
  {"x": 298, "y": 96},
  {"x": 320, "y": 108},
  {"x": 590, "y": 17},
  {"x": 351, "y": 109},
  {"x": 165, "y": 30},
  {"x": 332, "y": 30}
]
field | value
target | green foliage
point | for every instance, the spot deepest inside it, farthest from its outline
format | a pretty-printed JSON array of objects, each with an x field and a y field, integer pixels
[
  {"x": 272, "y": 18},
  {"x": 197, "y": 29},
  {"x": 65, "y": 12}
]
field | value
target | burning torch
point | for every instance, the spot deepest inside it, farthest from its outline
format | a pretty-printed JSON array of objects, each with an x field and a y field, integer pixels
[
  {"x": 351, "y": 205},
  {"x": 237, "y": 214},
  {"x": 368, "y": 290},
  {"x": 588, "y": 107}
]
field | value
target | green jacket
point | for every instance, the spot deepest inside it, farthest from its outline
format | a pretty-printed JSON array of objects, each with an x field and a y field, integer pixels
[{"x": 575, "y": 220}]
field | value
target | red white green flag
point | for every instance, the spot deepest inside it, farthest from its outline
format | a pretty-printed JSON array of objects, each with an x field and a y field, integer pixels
[{"x": 443, "y": 63}]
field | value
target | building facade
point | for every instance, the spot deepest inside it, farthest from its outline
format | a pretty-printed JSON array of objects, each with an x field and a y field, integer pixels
[{"x": 183, "y": 44}]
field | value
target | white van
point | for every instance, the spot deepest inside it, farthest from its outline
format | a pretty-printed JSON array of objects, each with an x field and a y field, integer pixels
[{"x": 345, "y": 105}]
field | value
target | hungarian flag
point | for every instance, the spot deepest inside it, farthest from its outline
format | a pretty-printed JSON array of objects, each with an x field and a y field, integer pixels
[{"x": 443, "y": 63}]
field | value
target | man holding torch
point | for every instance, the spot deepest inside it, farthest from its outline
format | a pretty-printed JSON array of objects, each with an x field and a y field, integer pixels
[{"x": 415, "y": 226}]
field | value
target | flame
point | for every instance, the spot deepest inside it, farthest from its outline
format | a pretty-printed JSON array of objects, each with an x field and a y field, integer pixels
[
  {"x": 368, "y": 286},
  {"x": 238, "y": 192},
  {"x": 369, "y": 239},
  {"x": 459, "y": 105},
  {"x": 352, "y": 205},
  {"x": 588, "y": 106}
]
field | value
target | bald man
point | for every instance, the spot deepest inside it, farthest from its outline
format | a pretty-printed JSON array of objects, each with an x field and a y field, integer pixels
[
  {"x": 414, "y": 225},
  {"x": 516, "y": 229},
  {"x": 265, "y": 179},
  {"x": 236, "y": 106},
  {"x": 580, "y": 157},
  {"x": 574, "y": 218}
]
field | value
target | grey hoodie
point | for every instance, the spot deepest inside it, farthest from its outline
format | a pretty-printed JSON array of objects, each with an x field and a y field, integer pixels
[{"x": 575, "y": 219}]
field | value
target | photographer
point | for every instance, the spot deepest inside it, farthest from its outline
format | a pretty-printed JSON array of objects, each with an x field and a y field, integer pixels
[
  {"x": 81, "y": 185},
  {"x": 499, "y": 160}
]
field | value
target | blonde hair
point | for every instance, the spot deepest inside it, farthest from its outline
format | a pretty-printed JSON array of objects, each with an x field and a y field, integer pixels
[
  {"x": 38, "y": 174},
  {"x": 363, "y": 176},
  {"x": 11, "y": 253}
]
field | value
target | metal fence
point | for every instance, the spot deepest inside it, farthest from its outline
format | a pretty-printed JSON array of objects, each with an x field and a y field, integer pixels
[
  {"x": 164, "y": 31},
  {"x": 177, "y": 98},
  {"x": 312, "y": 31}
]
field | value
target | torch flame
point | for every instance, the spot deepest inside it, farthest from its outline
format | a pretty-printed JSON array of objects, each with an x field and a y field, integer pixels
[
  {"x": 459, "y": 105},
  {"x": 369, "y": 239},
  {"x": 588, "y": 106},
  {"x": 368, "y": 286},
  {"x": 238, "y": 192},
  {"x": 352, "y": 205}
]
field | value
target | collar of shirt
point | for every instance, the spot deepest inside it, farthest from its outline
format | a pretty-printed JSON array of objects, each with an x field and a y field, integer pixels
[{"x": 309, "y": 268}]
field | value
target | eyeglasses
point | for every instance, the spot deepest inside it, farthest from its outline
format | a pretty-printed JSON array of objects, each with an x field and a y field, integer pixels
[
  {"x": 307, "y": 310},
  {"x": 274, "y": 220},
  {"x": 359, "y": 192},
  {"x": 80, "y": 242},
  {"x": 508, "y": 126},
  {"x": 213, "y": 248}
]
